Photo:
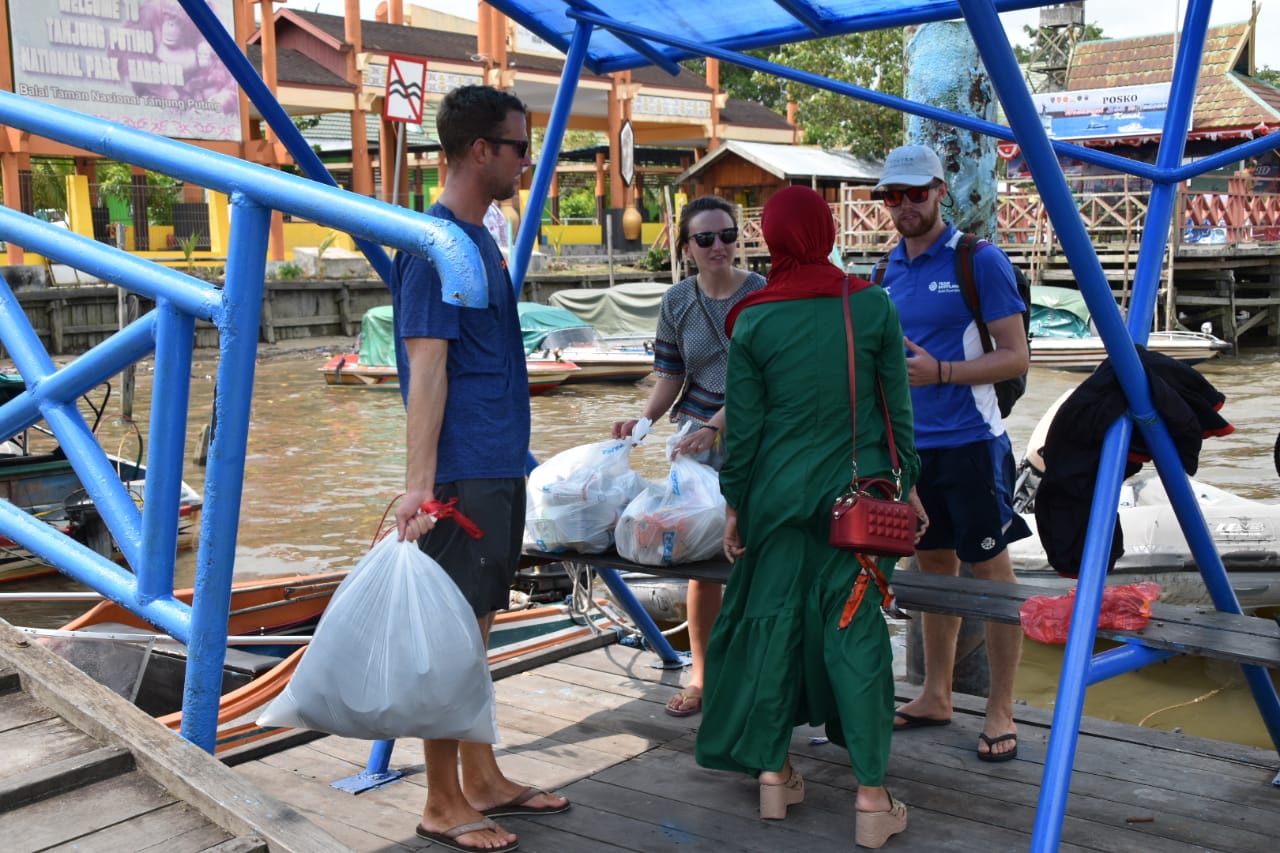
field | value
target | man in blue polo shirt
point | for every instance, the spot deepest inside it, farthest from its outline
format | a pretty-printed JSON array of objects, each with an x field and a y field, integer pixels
[
  {"x": 966, "y": 460},
  {"x": 466, "y": 387}
]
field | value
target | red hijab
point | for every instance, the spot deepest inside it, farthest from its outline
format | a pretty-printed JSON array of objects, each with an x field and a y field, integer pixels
[{"x": 797, "y": 226}]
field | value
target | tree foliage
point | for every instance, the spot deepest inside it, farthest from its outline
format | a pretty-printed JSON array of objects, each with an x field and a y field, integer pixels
[
  {"x": 1035, "y": 36},
  {"x": 872, "y": 60}
]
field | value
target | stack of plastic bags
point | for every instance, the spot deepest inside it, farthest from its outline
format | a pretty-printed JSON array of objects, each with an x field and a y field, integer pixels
[
  {"x": 575, "y": 497},
  {"x": 676, "y": 520}
]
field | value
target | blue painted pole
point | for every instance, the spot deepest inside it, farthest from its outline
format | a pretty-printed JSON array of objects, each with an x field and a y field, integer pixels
[
  {"x": 1125, "y": 659},
  {"x": 269, "y": 108},
  {"x": 1068, "y": 708},
  {"x": 224, "y": 483},
  {"x": 175, "y": 337},
  {"x": 531, "y": 219},
  {"x": 627, "y": 600}
]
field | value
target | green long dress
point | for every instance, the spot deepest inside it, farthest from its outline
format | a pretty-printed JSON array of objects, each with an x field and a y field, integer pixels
[{"x": 775, "y": 658}]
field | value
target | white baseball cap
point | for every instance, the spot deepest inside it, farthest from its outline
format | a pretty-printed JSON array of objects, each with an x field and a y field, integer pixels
[{"x": 910, "y": 166}]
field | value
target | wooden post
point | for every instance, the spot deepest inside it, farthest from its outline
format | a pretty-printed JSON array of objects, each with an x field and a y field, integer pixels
[
  {"x": 608, "y": 245},
  {"x": 671, "y": 233}
]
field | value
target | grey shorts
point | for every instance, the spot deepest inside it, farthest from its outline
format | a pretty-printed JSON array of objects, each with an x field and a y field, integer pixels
[{"x": 483, "y": 568}]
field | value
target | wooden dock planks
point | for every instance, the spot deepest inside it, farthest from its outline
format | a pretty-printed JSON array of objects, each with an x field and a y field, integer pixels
[
  {"x": 82, "y": 769},
  {"x": 593, "y": 727}
]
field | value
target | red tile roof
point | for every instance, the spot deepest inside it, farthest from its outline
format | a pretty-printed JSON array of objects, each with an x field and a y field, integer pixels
[{"x": 1226, "y": 97}]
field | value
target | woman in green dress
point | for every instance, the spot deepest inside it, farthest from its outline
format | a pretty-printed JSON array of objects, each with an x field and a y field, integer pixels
[{"x": 777, "y": 657}]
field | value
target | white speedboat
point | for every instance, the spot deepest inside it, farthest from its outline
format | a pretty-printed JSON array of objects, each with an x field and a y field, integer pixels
[
  {"x": 1088, "y": 352},
  {"x": 555, "y": 334},
  {"x": 1061, "y": 336},
  {"x": 1245, "y": 532}
]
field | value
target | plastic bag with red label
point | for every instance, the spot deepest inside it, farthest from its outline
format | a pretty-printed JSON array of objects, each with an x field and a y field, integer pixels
[
  {"x": 1047, "y": 618},
  {"x": 676, "y": 520}
]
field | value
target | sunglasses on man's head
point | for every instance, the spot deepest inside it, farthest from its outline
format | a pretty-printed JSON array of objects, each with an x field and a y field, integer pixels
[
  {"x": 706, "y": 239},
  {"x": 521, "y": 146},
  {"x": 915, "y": 195}
]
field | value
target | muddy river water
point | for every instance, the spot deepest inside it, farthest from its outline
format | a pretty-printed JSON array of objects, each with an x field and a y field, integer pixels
[{"x": 323, "y": 463}]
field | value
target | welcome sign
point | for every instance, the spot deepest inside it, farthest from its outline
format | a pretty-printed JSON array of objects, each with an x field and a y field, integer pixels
[{"x": 142, "y": 63}]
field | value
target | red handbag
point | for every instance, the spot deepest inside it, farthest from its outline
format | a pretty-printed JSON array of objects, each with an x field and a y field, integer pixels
[{"x": 861, "y": 521}]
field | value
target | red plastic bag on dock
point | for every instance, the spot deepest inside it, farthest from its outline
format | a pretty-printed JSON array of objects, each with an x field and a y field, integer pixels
[{"x": 1047, "y": 618}]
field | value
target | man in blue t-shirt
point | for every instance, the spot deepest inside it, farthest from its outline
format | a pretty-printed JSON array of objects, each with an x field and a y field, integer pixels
[
  {"x": 466, "y": 388},
  {"x": 966, "y": 479}
]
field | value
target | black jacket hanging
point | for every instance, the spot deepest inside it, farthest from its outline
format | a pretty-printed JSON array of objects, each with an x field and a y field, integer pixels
[{"x": 1186, "y": 401}]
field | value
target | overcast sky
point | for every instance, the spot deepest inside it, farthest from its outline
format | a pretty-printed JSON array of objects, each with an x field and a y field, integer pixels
[{"x": 1117, "y": 19}]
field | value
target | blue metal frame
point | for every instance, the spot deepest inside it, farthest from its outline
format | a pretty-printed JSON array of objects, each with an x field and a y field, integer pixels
[
  {"x": 147, "y": 537},
  {"x": 1042, "y": 157}
]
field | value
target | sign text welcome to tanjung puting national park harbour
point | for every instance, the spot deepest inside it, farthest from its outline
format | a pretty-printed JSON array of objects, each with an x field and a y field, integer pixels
[{"x": 139, "y": 62}]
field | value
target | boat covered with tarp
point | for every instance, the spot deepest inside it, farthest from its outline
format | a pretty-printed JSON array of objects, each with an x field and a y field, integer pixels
[{"x": 1062, "y": 336}]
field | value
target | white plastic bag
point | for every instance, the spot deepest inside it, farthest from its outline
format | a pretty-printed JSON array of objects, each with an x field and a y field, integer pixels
[
  {"x": 575, "y": 497},
  {"x": 676, "y": 520},
  {"x": 397, "y": 654}
]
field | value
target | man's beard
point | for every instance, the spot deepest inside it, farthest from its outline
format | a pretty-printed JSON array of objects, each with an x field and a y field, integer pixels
[
  {"x": 925, "y": 222},
  {"x": 502, "y": 192}
]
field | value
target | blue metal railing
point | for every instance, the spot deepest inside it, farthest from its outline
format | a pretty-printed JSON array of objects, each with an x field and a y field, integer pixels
[{"x": 147, "y": 537}]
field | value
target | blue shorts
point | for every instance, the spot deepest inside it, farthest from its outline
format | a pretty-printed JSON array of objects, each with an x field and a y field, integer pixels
[
  {"x": 968, "y": 493},
  {"x": 483, "y": 568}
]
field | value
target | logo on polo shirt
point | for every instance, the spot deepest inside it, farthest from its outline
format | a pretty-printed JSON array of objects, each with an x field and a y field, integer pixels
[{"x": 943, "y": 287}]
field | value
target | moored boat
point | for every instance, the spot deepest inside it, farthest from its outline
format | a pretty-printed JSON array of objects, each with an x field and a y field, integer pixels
[
  {"x": 545, "y": 375},
  {"x": 374, "y": 366},
  {"x": 347, "y": 369},
  {"x": 1245, "y": 532},
  {"x": 44, "y": 484},
  {"x": 254, "y": 674},
  {"x": 557, "y": 334},
  {"x": 1061, "y": 336}
]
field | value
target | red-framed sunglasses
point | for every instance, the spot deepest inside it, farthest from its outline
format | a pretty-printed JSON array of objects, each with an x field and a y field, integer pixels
[{"x": 915, "y": 195}]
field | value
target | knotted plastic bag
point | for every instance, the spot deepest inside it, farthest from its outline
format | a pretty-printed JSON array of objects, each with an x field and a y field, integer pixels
[
  {"x": 397, "y": 654},
  {"x": 1047, "y": 618},
  {"x": 575, "y": 497},
  {"x": 676, "y": 520}
]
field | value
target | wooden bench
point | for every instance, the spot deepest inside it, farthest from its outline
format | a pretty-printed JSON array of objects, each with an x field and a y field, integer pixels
[{"x": 1200, "y": 631}]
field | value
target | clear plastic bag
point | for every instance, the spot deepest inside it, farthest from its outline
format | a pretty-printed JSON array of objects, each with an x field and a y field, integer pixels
[
  {"x": 575, "y": 497},
  {"x": 1047, "y": 618},
  {"x": 676, "y": 520},
  {"x": 397, "y": 654}
]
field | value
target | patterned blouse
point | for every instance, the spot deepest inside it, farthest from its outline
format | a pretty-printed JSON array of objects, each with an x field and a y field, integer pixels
[{"x": 691, "y": 345}]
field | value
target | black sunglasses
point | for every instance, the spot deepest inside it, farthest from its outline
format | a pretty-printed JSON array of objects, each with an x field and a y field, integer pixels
[
  {"x": 706, "y": 239},
  {"x": 521, "y": 146},
  {"x": 915, "y": 195}
]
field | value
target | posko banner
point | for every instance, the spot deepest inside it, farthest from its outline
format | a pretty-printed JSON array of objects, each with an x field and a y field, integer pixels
[{"x": 142, "y": 63}]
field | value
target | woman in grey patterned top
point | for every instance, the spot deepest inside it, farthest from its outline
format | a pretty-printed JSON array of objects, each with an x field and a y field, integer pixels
[{"x": 691, "y": 353}]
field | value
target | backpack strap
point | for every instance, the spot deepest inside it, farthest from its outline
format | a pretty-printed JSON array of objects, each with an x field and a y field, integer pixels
[
  {"x": 965, "y": 248},
  {"x": 878, "y": 271}
]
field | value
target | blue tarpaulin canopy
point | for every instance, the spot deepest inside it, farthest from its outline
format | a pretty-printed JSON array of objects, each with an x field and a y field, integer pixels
[{"x": 751, "y": 24}]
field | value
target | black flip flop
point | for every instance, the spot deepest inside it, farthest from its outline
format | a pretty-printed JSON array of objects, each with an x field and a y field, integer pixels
[
  {"x": 998, "y": 756},
  {"x": 915, "y": 722}
]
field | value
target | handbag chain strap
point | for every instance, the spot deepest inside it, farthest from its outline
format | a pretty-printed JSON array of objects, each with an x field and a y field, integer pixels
[{"x": 853, "y": 403}]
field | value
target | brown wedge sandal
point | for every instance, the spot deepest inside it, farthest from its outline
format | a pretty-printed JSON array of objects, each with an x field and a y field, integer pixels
[
  {"x": 875, "y": 828},
  {"x": 774, "y": 799}
]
